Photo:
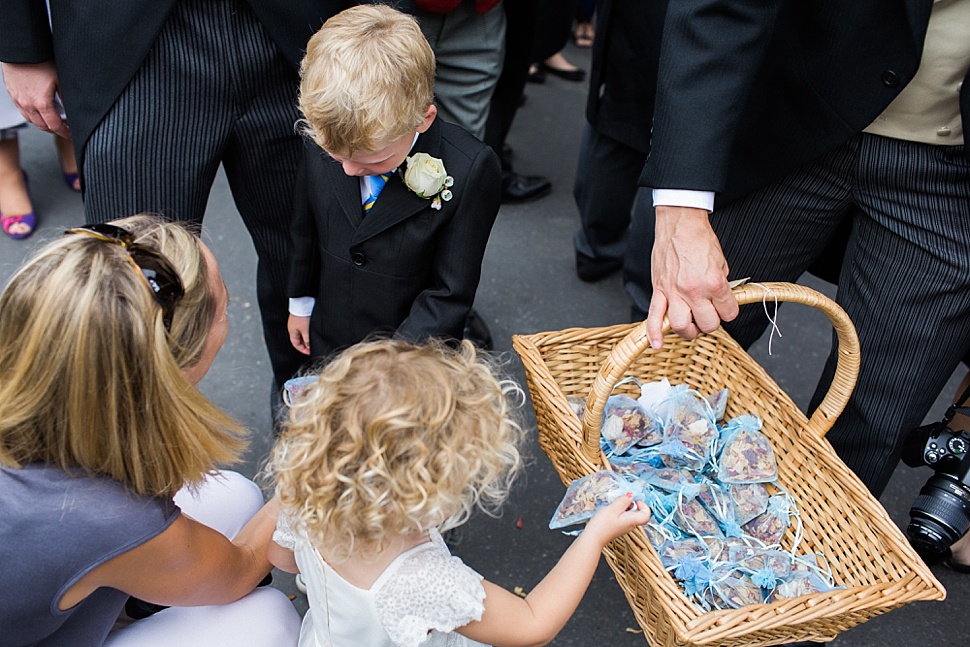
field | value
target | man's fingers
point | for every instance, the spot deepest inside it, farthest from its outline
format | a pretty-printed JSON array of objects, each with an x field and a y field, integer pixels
[
  {"x": 726, "y": 305},
  {"x": 49, "y": 119},
  {"x": 706, "y": 317},
  {"x": 681, "y": 319},
  {"x": 655, "y": 319}
]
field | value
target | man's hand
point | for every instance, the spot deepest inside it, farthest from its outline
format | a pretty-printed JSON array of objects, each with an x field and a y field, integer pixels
[
  {"x": 299, "y": 330},
  {"x": 33, "y": 87},
  {"x": 689, "y": 274}
]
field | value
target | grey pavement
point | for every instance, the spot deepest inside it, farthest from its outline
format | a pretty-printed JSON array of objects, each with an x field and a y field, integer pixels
[{"x": 528, "y": 285}]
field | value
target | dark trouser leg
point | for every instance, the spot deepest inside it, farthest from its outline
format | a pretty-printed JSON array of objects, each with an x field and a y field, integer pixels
[
  {"x": 604, "y": 189},
  {"x": 906, "y": 285},
  {"x": 261, "y": 162},
  {"x": 159, "y": 148}
]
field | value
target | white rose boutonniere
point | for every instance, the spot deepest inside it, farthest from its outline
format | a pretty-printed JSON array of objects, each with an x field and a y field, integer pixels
[{"x": 426, "y": 176}]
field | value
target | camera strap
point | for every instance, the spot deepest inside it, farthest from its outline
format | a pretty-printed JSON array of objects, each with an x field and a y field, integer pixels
[{"x": 959, "y": 406}]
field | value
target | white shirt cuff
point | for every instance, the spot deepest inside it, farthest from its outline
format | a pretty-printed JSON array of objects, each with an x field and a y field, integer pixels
[
  {"x": 302, "y": 306},
  {"x": 684, "y": 198}
]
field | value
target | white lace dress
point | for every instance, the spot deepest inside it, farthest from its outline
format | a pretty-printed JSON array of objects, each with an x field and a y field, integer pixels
[{"x": 419, "y": 599}]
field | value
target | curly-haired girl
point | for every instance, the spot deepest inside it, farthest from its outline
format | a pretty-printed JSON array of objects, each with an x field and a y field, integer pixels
[{"x": 392, "y": 445}]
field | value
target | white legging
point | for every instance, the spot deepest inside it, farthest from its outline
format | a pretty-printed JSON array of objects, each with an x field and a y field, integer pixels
[{"x": 264, "y": 618}]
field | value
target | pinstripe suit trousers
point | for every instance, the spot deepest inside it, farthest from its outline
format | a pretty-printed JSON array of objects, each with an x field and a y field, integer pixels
[
  {"x": 214, "y": 89},
  {"x": 905, "y": 281}
]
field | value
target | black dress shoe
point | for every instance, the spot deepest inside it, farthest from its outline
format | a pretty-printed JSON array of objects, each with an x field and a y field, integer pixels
[
  {"x": 575, "y": 75},
  {"x": 591, "y": 271},
  {"x": 477, "y": 332},
  {"x": 519, "y": 188},
  {"x": 536, "y": 75}
]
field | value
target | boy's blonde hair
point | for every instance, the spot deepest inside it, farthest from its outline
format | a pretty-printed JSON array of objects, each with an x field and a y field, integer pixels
[
  {"x": 88, "y": 378},
  {"x": 367, "y": 79},
  {"x": 395, "y": 438}
]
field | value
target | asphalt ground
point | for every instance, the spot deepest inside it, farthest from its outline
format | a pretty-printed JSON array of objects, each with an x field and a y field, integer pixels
[{"x": 528, "y": 285}]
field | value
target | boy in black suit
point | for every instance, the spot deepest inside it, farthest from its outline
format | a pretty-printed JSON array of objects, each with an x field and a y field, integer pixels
[{"x": 409, "y": 262}]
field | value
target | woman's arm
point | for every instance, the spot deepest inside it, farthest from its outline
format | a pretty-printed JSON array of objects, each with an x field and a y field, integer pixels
[
  {"x": 510, "y": 621},
  {"x": 187, "y": 564}
]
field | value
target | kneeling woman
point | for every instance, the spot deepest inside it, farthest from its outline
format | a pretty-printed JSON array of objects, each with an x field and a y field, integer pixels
[{"x": 103, "y": 437}]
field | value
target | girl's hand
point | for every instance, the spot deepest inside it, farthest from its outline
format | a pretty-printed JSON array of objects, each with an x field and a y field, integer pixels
[{"x": 616, "y": 519}]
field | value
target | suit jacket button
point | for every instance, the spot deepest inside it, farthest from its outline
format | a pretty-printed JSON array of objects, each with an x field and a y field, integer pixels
[
  {"x": 890, "y": 78},
  {"x": 358, "y": 258}
]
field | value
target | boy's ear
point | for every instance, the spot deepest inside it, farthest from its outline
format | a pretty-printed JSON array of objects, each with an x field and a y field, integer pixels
[{"x": 428, "y": 118}]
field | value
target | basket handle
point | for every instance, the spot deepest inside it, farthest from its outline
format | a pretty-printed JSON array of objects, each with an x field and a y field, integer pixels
[{"x": 637, "y": 342}]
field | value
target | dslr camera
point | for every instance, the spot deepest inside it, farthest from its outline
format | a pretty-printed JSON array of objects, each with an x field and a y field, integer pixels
[{"x": 941, "y": 513}]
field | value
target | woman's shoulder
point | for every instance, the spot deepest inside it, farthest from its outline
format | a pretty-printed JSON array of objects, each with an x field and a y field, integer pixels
[{"x": 79, "y": 502}]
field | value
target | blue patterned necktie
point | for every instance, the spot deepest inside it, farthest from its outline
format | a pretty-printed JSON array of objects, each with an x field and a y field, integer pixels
[{"x": 376, "y": 184}]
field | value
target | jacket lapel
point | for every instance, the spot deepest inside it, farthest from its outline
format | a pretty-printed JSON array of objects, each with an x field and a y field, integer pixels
[
  {"x": 347, "y": 190},
  {"x": 397, "y": 202}
]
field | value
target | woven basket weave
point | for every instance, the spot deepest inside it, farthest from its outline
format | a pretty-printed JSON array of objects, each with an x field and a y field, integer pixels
[{"x": 868, "y": 554}]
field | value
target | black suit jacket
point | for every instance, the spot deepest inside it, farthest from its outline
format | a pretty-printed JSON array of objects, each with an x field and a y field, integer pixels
[
  {"x": 405, "y": 268},
  {"x": 623, "y": 70},
  {"x": 750, "y": 90},
  {"x": 99, "y": 46}
]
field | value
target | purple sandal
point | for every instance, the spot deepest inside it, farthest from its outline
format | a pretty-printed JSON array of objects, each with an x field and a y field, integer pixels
[{"x": 27, "y": 219}]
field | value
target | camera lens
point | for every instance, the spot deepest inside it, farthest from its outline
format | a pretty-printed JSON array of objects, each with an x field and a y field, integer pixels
[{"x": 939, "y": 516}]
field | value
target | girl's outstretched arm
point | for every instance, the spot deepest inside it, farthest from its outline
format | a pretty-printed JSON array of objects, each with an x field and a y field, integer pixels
[{"x": 510, "y": 621}]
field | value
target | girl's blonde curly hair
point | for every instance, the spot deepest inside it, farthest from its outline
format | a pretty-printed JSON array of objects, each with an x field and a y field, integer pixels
[{"x": 395, "y": 438}]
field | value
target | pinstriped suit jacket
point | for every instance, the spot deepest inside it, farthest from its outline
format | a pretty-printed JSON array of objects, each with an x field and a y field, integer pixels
[{"x": 98, "y": 47}]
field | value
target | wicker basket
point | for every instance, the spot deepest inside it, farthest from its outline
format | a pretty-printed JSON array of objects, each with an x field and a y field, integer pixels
[{"x": 868, "y": 554}]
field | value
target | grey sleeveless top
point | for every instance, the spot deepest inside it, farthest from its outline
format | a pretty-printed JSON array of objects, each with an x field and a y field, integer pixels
[{"x": 54, "y": 528}]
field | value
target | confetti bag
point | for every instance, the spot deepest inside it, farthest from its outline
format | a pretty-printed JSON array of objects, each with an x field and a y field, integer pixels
[
  {"x": 692, "y": 516},
  {"x": 767, "y": 567},
  {"x": 586, "y": 495},
  {"x": 577, "y": 405},
  {"x": 731, "y": 590},
  {"x": 659, "y": 535},
  {"x": 663, "y": 511},
  {"x": 669, "y": 479},
  {"x": 770, "y": 526},
  {"x": 653, "y": 396},
  {"x": 632, "y": 456},
  {"x": 718, "y": 403},
  {"x": 689, "y": 430},
  {"x": 749, "y": 499},
  {"x": 674, "y": 551},
  {"x": 627, "y": 423},
  {"x": 746, "y": 455},
  {"x": 799, "y": 583},
  {"x": 717, "y": 500}
]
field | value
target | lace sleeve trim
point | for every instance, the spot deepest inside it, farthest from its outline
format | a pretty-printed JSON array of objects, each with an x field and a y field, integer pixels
[
  {"x": 431, "y": 590},
  {"x": 284, "y": 535}
]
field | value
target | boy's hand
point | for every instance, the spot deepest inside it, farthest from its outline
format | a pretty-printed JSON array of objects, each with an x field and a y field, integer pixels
[
  {"x": 299, "y": 329},
  {"x": 618, "y": 518}
]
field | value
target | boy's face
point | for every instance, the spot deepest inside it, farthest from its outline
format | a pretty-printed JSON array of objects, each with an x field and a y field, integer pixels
[{"x": 387, "y": 157}]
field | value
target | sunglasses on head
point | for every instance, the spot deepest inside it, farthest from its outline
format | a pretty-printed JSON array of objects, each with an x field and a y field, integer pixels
[{"x": 153, "y": 267}]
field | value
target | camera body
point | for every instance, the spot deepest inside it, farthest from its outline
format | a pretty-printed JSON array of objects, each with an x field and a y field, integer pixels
[{"x": 940, "y": 515}]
